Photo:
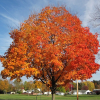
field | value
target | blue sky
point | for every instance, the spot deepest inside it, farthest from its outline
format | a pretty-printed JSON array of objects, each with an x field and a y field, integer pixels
[{"x": 13, "y": 12}]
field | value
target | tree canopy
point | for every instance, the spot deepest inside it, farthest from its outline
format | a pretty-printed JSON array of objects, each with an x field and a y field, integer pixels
[
  {"x": 51, "y": 46},
  {"x": 4, "y": 85},
  {"x": 89, "y": 84}
]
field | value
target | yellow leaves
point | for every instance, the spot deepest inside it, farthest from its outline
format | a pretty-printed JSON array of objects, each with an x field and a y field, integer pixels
[
  {"x": 38, "y": 84},
  {"x": 89, "y": 84},
  {"x": 4, "y": 84}
]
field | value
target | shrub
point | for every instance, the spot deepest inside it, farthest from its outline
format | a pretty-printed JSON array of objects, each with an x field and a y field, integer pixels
[{"x": 19, "y": 92}]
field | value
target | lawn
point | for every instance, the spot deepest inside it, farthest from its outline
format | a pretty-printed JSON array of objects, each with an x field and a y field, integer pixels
[{"x": 57, "y": 97}]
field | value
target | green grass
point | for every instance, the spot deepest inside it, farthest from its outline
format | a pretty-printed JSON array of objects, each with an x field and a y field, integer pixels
[{"x": 57, "y": 97}]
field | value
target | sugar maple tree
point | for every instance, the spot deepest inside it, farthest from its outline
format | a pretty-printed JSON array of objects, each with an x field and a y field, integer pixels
[{"x": 53, "y": 47}]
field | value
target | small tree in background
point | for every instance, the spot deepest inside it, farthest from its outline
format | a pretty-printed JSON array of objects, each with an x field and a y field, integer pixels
[
  {"x": 61, "y": 89},
  {"x": 29, "y": 85},
  {"x": 18, "y": 85},
  {"x": 4, "y": 85},
  {"x": 85, "y": 87},
  {"x": 89, "y": 84}
]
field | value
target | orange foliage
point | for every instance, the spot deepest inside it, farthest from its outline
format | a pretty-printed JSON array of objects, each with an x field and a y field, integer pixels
[
  {"x": 51, "y": 46},
  {"x": 4, "y": 85}
]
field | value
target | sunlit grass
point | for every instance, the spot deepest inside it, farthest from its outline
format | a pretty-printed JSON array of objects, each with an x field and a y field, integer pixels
[{"x": 44, "y": 97}]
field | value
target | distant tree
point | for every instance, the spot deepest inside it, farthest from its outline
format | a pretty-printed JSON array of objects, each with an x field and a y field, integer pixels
[
  {"x": 25, "y": 85},
  {"x": 89, "y": 84},
  {"x": 4, "y": 85},
  {"x": 18, "y": 85},
  {"x": 67, "y": 90},
  {"x": 11, "y": 88},
  {"x": 85, "y": 87},
  {"x": 69, "y": 86},
  {"x": 96, "y": 81},
  {"x": 95, "y": 17},
  {"x": 80, "y": 85},
  {"x": 61, "y": 89},
  {"x": 29, "y": 85},
  {"x": 38, "y": 84},
  {"x": 44, "y": 88},
  {"x": 97, "y": 84},
  {"x": 74, "y": 85}
]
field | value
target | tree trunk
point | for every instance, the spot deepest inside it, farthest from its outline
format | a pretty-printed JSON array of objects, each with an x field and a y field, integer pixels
[
  {"x": 53, "y": 96},
  {"x": 53, "y": 93},
  {"x": 53, "y": 88}
]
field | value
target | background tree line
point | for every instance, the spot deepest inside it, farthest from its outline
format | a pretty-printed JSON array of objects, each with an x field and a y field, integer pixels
[
  {"x": 15, "y": 86},
  {"x": 8, "y": 86},
  {"x": 87, "y": 85}
]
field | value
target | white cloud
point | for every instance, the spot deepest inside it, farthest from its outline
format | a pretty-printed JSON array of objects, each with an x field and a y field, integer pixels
[
  {"x": 90, "y": 7},
  {"x": 10, "y": 20},
  {"x": 1, "y": 68},
  {"x": 4, "y": 8},
  {"x": 5, "y": 42}
]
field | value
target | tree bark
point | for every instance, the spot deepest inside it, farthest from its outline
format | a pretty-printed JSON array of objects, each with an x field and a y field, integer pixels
[
  {"x": 53, "y": 93},
  {"x": 53, "y": 96},
  {"x": 53, "y": 88}
]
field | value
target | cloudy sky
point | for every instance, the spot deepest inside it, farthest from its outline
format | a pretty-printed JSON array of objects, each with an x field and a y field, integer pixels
[{"x": 13, "y": 12}]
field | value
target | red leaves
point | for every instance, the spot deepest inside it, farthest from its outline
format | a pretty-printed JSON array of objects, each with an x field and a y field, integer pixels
[{"x": 51, "y": 44}]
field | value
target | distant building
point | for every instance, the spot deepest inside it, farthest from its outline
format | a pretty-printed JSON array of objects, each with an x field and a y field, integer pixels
[
  {"x": 59, "y": 93},
  {"x": 12, "y": 92},
  {"x": 97, "y": 91},
  {"x": 46, "y": 93},
  {"x": 79, "y": 92}
]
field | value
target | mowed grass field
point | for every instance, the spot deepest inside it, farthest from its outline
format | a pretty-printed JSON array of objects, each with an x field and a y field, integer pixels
[{"x": 43, "y": 97}]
